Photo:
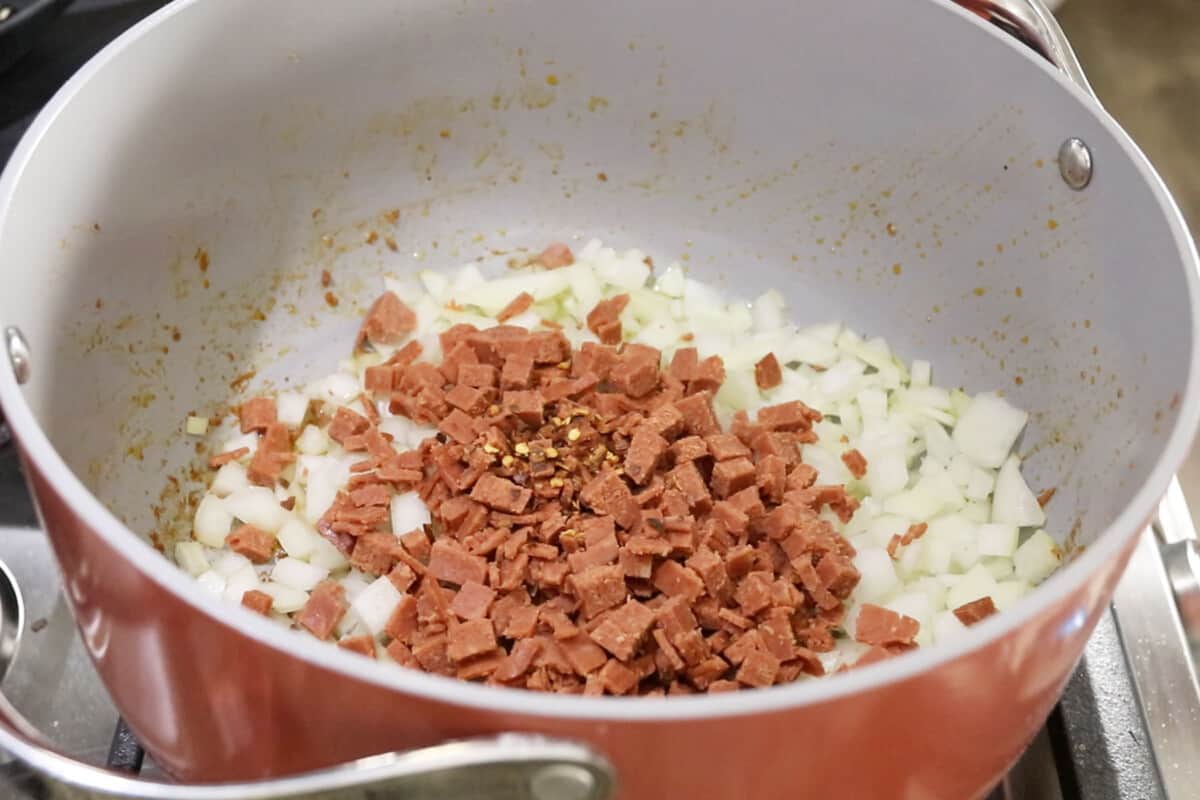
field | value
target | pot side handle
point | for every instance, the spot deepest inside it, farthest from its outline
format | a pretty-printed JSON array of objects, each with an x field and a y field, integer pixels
[
  {"x": 1032, "y": 23},
  {"x": 505, "y": 767}
]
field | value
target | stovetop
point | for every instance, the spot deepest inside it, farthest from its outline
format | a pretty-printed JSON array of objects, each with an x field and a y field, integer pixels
[{"x": 1127, "y": 727}]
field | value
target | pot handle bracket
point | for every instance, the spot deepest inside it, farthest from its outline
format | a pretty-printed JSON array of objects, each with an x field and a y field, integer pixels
[{"x": 1032, "y": 23}]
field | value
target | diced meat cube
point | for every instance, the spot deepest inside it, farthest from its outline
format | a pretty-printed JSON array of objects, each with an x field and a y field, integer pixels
[
  {"x": 471, "y": 638},
  {"x": 771, "y": 477},
  {"x": 767, "y": 373},
  {"x": 387, "y": 322},
  {"x": 635, "y": 565},
  {"x": 363, "y": 645},
  {"x": 402, "y": 624},
  {"x": 676, "y": 580},
  {"x": 256, "y": 545},
  {"x": 683, "y": 364},
  {"x": 617, "y": 678},
  {"x": 646, "y": 449},
  {"x": 882, "y": 626},
  {"x": 748, "y": 502},
  {"x": 753, "y": 593},
  {"x": 697, "y": 413},
  {"x": 379, "y": 380},
  {"x": 724, "y": 446},
  {"x": 518, "y": 661},
  {"x": 790, "y": 416},
  {"x": 708, "y": 376},
  {"x": 256, "y": 414},
  {"x": 689, "y": 448},
  {"x": 968, "y": 614},
  {"x": 608, "y": 494},
  {"x": 324, "y": 610},
  {"x": 374, "y": 553},
  {"x": 687, "y": 479},
  {"x": 478, "y": 376},
  {"x": 258, "y": 601},
  {"x": 855, "y": 462},
  {"x": 500, "y": 494},
  {"x": 603, "y": 320},
  {"x": 519, "y": 305},
  {"x": 635, "y": 374},
  {"x": 522, "y": 623},
  {"x": 733, "y": 518},
  {"x": 599, "y": 589},
  {"x": 517, "y": 372},
  {"x": 402, "y": 577},
  {"x": 468, "y": 399},
  {"x": 458, "y": 426},
  {"x": 527, "y": 406},
  {"x": 665, "y": 420},
  {"x": 583, "y": 654},
  {"x": 838, "y": 574},
  {"x": 431, "y": 654},
  {"x": 595, "y": 359},
  {"x": 451, "y": 563},
  {"x": 729, "y": 477},
  {"x": 556, "y": 255},
  {"x": 759, "y": 669},
  {"x": 472, "y": 600},
  {"x": 711, "y": 569},
  {"x": 347, "y": 423}
]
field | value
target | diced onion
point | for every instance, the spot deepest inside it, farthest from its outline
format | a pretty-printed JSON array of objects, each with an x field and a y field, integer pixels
[
  {"x": 212, "y": 521},
  {"x": 1013, "y": 501},
  {"x": 374, "y": 604},
  {"x": 988, "y": 429}
]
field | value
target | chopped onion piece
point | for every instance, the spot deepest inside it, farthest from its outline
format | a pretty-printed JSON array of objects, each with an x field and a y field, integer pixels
[
  {"x": 998, "y": 539},
  {"x": 298, "y": 574},
  {"x": 988, "y": 429},
  {"x": 190, "y": 556},
  {"x": 1013, "y": 501},
  {"x": 212, "y": 581},
  {"x": 324, "y": 554},
  {"x": 257, "y": 506},
  {"x": 297, "y": 539},
  {"x": 312, "y": 441},
  {"x": 409, "y": 513},
  {"x": 977, "y": 583},
  {"x": 246, "y": 440},
  {"x": 1037, "y": 558},
  {"x": 284, "y": 599},
  {"x": 196, "y": 426},
  {"x": 240, "y": 582},
  {"x": 229, "y": 478},
  {"x": 290, "y": 408},
  {"x": 212, "y": 522},
  {"x": 375, "y": 603}
]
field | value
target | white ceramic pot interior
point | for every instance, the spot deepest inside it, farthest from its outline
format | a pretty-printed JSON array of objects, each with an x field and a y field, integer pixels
[{"x": 896, "y": 172}]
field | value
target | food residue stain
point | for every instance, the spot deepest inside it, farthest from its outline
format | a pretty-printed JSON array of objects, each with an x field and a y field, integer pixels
[{"x": 201, "y": 258}]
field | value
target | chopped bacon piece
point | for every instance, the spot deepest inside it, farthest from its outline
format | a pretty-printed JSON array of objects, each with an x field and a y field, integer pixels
[
  {"x": 976, "y": 610},
  {"x": 451, "y": 563},
  {"x": 556, "y": 255},
  {"x": 347, "y": 423},
  {"x": 256, "y": 545},
  {"x": 325, "y": 608},
  {"x": 519, "y": 305},
  {"x": 790, "y": 416},
  {"x": 258, "y": 601},
  {"x": 603, "y": 320},
  {"x": 471, "y": 638},
  {"x": 256, "y": 414},
  {"x": 767, "y": 373},
  {"x": 500, "y": 494},
  {"x": 882, "y": 626},
  {"x": 363, "y": 645},
  {"x": 387, "y": 321},
  {"x": 855, "y": 462}
]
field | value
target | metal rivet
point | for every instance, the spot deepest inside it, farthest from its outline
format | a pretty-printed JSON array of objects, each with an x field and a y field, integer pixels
[
  {"x": 562, "y": 782},
  {"x": 1075, "y": 163},
  {"x": 18, "y": 353}
]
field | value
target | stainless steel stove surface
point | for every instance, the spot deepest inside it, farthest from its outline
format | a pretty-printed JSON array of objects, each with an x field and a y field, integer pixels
[{"x": 1127, "y": 727}]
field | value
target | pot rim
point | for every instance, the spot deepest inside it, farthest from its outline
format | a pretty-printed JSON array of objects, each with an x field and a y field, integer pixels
[{"x": 40, "y": 454}]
